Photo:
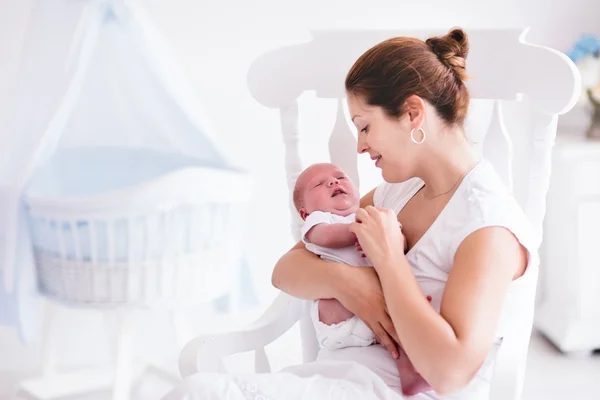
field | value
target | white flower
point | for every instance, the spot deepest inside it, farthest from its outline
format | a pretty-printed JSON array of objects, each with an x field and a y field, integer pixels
[{"x": 589, "y": 68}]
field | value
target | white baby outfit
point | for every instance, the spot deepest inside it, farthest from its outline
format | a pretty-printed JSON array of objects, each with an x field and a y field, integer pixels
[{"x": 352, "y": 332}]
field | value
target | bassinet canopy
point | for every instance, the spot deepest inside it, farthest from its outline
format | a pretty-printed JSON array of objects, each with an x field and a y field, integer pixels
[{"x": 94, "y": 74}]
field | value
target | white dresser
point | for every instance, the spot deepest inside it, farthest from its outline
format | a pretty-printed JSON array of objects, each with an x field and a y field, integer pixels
[{"x": 568, "y": 312}]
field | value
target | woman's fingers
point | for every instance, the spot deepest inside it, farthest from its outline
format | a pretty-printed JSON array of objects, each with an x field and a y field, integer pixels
[
  {"x": 389, "y": 328},
  {"x": 372, "y": 210},
  {"x": 361, "y": 215},
  {"x": 385, "y": 339}
]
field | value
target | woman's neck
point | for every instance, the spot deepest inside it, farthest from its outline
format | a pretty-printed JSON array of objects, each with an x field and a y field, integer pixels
[{"x": 447, "y": 164}]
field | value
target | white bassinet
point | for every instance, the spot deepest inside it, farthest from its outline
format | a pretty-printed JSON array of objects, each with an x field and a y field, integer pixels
[{"x": 117, "y": 226}]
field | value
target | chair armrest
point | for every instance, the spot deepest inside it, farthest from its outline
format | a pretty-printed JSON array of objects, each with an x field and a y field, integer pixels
[{"x": 205, "y": 353}]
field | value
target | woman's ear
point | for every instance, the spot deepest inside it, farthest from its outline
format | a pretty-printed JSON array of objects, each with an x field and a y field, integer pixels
[{"x": 415, "y": 109}]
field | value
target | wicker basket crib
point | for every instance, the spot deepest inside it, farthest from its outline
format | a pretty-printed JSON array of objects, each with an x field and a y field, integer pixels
[{"x": 117, "y": 227}]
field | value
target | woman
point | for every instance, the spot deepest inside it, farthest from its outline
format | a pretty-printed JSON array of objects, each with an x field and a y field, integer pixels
[
  {"x": 467, "y": 239},
  {"x": 462, "y": 239}
]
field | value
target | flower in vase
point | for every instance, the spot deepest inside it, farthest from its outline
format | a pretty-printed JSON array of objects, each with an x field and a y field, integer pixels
[{"x": 585, "y": 53}]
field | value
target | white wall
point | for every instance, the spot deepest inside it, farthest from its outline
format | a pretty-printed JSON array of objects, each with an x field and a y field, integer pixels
[{"x": 216, "y": 41}]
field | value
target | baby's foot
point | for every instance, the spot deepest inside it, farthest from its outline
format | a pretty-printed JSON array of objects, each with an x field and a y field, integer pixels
[
  {"x": 412, "y": 382},
  {"x": 331, "y": 311}
]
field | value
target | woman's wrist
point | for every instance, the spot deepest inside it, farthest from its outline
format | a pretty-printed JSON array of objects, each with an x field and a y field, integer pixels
[{"x": 391, "y": 261}]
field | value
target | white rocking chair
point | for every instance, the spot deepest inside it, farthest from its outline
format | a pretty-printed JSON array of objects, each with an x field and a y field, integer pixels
[{"x": 531, "y": 83}]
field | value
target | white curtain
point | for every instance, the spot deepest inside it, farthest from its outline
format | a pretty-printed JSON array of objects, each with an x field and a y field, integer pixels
[{"x": 93, "y": 73}]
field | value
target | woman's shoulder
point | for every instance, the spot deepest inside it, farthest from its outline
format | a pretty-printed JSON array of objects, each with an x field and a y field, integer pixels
[
  {"x": 485, "y": 201},
  {"x": 395, "y": 195},
  {"x": 487, "y": 195}
]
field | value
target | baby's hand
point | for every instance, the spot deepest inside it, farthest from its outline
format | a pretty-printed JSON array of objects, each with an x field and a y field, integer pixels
[{"x": 359, "y": 249}]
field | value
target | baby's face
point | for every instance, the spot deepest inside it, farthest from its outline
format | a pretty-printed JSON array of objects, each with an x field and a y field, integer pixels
[{"x": 326, "y": 188}]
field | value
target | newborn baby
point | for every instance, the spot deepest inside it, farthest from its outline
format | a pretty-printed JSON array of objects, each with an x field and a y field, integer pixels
[{"x": 327, "y": 201}]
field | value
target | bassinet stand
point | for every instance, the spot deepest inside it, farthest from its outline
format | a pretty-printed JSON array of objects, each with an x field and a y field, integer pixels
[
  {"x": 53, "y": 384},
  {"x": 123, "y": 375}
]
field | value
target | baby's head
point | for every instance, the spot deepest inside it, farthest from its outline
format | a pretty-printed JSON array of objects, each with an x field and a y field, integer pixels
[{"x": 325, "y": 187}]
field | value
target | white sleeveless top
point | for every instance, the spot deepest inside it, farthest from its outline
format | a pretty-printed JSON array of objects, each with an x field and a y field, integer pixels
[{"x": 481, "y": 200}]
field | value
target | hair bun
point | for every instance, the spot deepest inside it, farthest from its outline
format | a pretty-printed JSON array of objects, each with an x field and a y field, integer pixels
[{"x": 452, "y": 50}]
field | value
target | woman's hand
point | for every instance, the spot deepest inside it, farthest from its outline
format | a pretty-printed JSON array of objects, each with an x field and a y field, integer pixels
[
  {"x": 363, "y": 296},
  {"x": 379, "y": 234}
]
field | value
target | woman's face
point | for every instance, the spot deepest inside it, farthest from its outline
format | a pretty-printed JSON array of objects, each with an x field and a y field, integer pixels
[{"x": 386, "y": 140}]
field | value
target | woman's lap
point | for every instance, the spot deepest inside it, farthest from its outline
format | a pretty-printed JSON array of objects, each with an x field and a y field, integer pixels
[{"x": 320, "y": 379}]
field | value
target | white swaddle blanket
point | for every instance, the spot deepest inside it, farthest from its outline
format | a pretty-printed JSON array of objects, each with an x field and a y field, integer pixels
[{"x": 326, "y": 379}]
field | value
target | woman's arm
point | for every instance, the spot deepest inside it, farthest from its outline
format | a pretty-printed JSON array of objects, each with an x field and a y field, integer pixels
[
  {"x": 448, "y": 348},
  {"x": 303, "y": 274}
]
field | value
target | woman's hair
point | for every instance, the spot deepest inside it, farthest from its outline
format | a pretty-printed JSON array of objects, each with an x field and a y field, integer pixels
[{"x": 388, "y": 73}]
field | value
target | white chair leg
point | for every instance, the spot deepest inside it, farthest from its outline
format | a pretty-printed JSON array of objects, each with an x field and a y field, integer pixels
[
  {"x": 124, "y": 358},
  {"x": 111, "y": 333},
  {"x": 49, "y": 340},
  {"x": 181, "y": 328},
  {"x": 310, "y": 346}
]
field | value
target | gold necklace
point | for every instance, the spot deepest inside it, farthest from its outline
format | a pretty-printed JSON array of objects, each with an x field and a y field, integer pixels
[{"x": 460, "y": 178}]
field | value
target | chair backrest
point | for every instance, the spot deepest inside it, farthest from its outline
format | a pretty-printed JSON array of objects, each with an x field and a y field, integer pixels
[{"x": 508, "y": 77}]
